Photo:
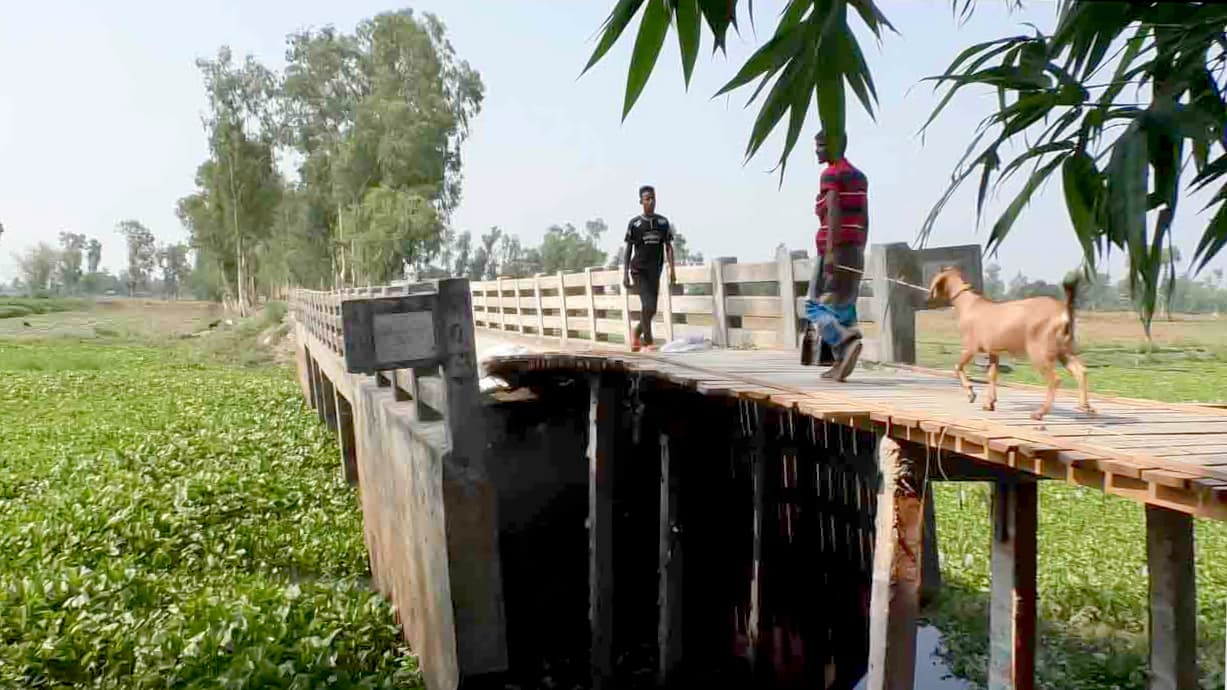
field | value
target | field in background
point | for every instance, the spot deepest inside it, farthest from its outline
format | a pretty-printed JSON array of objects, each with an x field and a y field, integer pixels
[{"x": 1187, "y": 360}]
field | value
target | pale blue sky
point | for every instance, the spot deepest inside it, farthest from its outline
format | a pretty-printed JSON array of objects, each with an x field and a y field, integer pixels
[{"x": 100, "y": 121}]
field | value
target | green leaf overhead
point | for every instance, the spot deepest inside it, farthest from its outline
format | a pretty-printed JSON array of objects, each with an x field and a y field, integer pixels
[
  {"x": 1066, "y": 96},
  {"x": 652, "y": 31}
]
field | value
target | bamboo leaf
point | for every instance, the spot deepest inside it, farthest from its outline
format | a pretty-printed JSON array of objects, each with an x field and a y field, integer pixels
[
  {"x": 1083, "y": 186},
  {"x": 950, "y": 75},
  {"x": 1003, "y": 225},
  {"x": 774, "y": 54},
  {"x": 615, "y": 24},
  {"x": 774, "y": 106},
  {"x": 830, "y": 83},
  {"x": 688, "y": 28},
  {"x": 989, "y": 163},
  {"x": 1036, "y": 152},
  {"x": 872, "y": 16},
  {"x": 1214, "y": 238},
  {"x": 719, "y": 14},
  {"x": 652, "y": 30}
]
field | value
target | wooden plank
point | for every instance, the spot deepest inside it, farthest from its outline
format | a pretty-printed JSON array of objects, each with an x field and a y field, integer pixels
[
  {"x": 1012, "y": 599},
  {"x": 1173, "y": 600},
  {"x": 750, "y": 273},
  {"x": 693, "y": 275},
  {"x": 895, "y": 601},
  {"x": 604, "y": 404}
]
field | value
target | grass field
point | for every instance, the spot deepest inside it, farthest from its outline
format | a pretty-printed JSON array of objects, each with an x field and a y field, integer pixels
[
  {"x": 1092, "y": 547},
  {"x": 171, "y": 520},
  {"x": 171, "y": 514}
]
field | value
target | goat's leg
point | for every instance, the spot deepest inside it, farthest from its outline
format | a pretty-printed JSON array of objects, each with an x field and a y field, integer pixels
[
  {"x": 1078, "y": 369},
  {"x": 958, "y": 369},
  {"x": 991, "y": 403},
  {"x": 1049, "y": 371}
]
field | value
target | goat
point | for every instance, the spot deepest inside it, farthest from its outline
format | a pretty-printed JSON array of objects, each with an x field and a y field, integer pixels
[{"x": 1042, "y": 328}]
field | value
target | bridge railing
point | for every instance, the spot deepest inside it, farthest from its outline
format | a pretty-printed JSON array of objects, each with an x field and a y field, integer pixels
[{"x": 730, "y": 303}]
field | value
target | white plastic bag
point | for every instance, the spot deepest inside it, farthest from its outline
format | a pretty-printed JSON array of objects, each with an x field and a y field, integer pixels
[{"x": 693, "y": 343}]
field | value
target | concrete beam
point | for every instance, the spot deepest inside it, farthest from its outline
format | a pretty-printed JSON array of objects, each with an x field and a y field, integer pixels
[{"x": 1012, "y": 596}]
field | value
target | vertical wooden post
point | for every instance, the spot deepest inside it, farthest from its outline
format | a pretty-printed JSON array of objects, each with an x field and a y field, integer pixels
[
  {"x": 470, "y": 498},
  {"x": 591, "y": 304},
  {"x": 756, "y": 625},
  {"x": 720, "y": 321},
  {"x": 669, "y": 602},
  {"x": 626, "y": 314},
  {"x": 895, "y": 600},
  {"x": 894, "y": 304},
  {"x": 318, "y": 375},
  {"x": 502, "y": 313},
  {"x": 346, "y": 436},
  {"x": 540, "y": 312},
  {"x": 788, "y": 298},
  {"x": 1012, "y": 599},
  {"x": 515, "y": 282},
  {"x": 930, "y": 565},
  {"x": 667, "y": 312},
  {"x": 562, "y": 309},
  {"x": 1173, "y": 600},
  {"x": 604, "y": 402}
]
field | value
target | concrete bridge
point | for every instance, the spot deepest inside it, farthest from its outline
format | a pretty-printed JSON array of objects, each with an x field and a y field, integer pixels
[{"x": 652, "y": 520}]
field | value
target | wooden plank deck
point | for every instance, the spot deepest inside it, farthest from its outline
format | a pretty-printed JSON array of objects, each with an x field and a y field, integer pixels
[{"x": 1170, "y": 455}]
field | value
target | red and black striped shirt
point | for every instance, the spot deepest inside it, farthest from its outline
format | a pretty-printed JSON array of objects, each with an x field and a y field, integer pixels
[{"x": 853, "y": 189}]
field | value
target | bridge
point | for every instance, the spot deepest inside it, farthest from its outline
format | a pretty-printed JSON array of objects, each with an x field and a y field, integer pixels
[{"x": 651, "y": 520}]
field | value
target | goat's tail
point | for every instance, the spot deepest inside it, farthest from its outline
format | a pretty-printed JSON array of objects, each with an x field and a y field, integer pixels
[{"x": 1071, "y": 290}]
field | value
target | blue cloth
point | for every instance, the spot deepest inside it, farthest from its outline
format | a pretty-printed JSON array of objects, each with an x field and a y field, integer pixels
[{"x": 826, "y": 318}]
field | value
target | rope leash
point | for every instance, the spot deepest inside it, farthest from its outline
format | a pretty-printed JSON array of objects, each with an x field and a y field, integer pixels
[{"x": 904, "y": 283}]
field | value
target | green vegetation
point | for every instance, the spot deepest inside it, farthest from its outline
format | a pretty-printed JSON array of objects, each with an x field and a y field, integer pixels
[
  {"x": 11, "y": 307},
  {"x": 1092, "y": 547},
  {"x": 166, "y": 521}
]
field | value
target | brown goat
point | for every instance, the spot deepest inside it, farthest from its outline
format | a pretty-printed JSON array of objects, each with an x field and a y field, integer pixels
[{"x": 1042, "y": 328}]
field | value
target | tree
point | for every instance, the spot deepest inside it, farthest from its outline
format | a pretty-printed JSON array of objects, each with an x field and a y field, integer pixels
[
  {"x": 172, "y": 258},
  {"x": 485, "y": 260},
  {"x": 994, "y": 288},
  {"x": 70, "y": 257},
  {"x": 36, "y": 265},
  {"x": 379, "y": 117},
  {"x": 94, "y": 254},
  {"x": 566, "y": 249},
  {"x": 142, "y": 254},
  {"x": 240, "y": 180},
  {"x": 1051, "y": 97}
]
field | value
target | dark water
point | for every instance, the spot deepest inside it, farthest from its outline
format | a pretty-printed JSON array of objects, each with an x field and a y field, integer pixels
[{"x": 931, "y": 673}]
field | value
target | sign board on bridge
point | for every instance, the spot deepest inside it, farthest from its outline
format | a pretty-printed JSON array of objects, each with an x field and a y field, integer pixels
[{"x": 383, "y": 333}]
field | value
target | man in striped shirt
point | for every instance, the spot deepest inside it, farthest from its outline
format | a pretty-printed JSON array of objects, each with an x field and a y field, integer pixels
[{"x": 843, "y": 212}]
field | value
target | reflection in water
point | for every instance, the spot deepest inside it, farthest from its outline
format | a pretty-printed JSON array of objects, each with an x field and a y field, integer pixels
[{"x": 931, "y": 673}]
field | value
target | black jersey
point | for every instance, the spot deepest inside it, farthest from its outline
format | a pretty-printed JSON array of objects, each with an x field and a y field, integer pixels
[{"x": 647, "y": 236}]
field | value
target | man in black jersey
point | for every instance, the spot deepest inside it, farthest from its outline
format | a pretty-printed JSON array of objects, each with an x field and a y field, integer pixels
[{"x": 649, "y": 241}]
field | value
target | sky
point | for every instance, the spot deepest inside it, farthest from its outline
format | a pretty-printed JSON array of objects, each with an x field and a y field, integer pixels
[{"x": 101, "y": 107}]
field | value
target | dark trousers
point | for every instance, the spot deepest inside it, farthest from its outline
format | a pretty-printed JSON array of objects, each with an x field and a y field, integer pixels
[{"x": 647, "y": 284}]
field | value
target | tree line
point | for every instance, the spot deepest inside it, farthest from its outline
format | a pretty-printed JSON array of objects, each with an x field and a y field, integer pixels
[
  {"x": 72, "y": 267},
  {"x": 1189, "y": 293}
]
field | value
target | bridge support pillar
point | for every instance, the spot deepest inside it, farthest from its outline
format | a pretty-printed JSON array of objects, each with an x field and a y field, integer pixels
[
  {"x": 328, "y": 400},
  {"x": 669, "y": 602},
  {"x": 1173, "y": 600},
  {"x": 1012, "y": 596},
  {"x": 930, "y": 566},
  {"x": 346, "y": 438},
  {"x": 895, "y": 599},
  {"x": 603, "y": 425}
]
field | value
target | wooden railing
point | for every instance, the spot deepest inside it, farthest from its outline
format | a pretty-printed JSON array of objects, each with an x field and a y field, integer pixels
[{"x": 731, "y": 304}]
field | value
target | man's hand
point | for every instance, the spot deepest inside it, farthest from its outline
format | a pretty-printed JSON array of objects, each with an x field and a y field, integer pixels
[
  {"x": 672, "y": 277},
  {"x": 626, "y": 280}
]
